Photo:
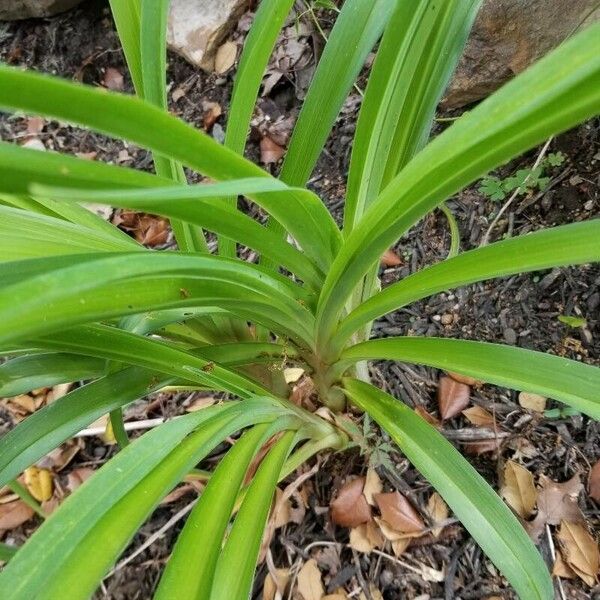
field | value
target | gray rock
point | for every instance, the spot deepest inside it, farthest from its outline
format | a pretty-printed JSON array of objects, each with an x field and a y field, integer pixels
[
  {"x": 508, "y": 36},
  {"x": 12, "y": 10},
  {"x": 198, "y": 27}
]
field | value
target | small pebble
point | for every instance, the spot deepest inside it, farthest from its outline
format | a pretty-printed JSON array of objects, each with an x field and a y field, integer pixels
[
  {"x": 447, "y": 319},
  {"x": 510, "y": 336}
]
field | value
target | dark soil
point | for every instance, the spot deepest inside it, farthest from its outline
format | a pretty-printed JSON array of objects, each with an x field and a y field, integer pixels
[{"x": 520, "y": 310}]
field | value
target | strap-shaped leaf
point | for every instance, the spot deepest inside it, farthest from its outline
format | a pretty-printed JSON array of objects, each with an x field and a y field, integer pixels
[
  {"x": 7, "y": 552},
  {"x": 418, "y": 52},
  {"x": 574, "y": 244},
  {"x": 206, "y": 205},
  {"x": 208, "y": 521},
  {"x": 30, "y": 235},
  {"x": 42, "y": 295},
  {"x": 558, "y": 92},
  {"x": 50, "y": 426},
  {"x": 571, "y": 382},
  {"x": 474, "y": 502},
  {"x": 144, "y": 124},
  {"x": 25, "y": 373},
  {"x": 259, "y": 44},
  {"x": 240, "y": 553},
  {"x": 85, "y": 535}
]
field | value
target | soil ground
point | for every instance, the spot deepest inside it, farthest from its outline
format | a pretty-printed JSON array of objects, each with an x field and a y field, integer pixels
[{"x": 521, "y": 310}]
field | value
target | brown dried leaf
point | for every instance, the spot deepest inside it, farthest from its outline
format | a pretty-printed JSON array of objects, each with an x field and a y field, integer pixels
[
  {"x": 225, "y": 57},
  {"x": 533, "y": 402},
  {"x": 437, "y": 509},
  {"x": 399, "y": 513},
  {"x": 77, "y": 476},
  {"x": 479, "y": 416},
  {"x": 366, "y": 537},
  {"x": 482, "y": 447},
  {"x": 200, "y": 403},
  {"x": 25, "y": 403},
  {"x": 427, "y": 416},
  {"x": 310, "y": 585},
  {"x": 272, "y": 586},
  {"x": 400, "y": 546},
  {"x": 453, "y": 397},
  {"x": 35, "y": 125},
  {"x": 270, "y": 152},
  {"x": 113, "y": 79},
  {"x": 561, "y": 568},
  {"x": 14, "y": 514},
  {"x": 39, "y": 483},
  {"x": 350, "y": 508},
  {"x": 465, "y": 379},
  {"x": 518, "y": 489},
  {"x": 580, "y": 551},
  {"x": 390, "y": 259},
  {"x": 373, "y": 486},
  {"x": 212, "y": 111},
  {"x": 594, "y": 482}
]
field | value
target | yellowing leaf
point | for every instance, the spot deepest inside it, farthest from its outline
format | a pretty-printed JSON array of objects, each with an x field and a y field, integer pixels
[
  {"x": 39, "y": 483},
  {"x": 310, "y": 585},
  {"x": 518, "y": 489},
  {"x": 580, "y": 551}
]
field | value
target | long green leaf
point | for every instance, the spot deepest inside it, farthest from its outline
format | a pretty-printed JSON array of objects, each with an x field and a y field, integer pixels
[
  {"x": 7, "y": 552},
  {"x": 25, "y": 373},
  {"x": 208, "y": 521},
  {"x": 558, "y": 92},
  {"x": 474, "y": 502},
  {"x": 574, "y": 244},
  {"x": 42, "y": 295},
  {"x": 206, "y": 205},
  {"x": 567, "y": 380},
  {"x": 74, "y": 548},
  {"x": 240, "y": 553},
  {"x": 302, "y": 214}
]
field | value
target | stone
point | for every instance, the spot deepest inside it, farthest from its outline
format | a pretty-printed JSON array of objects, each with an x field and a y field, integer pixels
[
  {"x": 507, "y": 37},
  {"x": 197, "y": 28},
  {"x": 12, "y": 10}
]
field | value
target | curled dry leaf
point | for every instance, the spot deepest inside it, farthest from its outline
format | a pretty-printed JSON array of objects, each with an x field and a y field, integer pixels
[
  {"x": 350, "y": 508},
  {"x": 310, "y": 585},
  {"x": 275, "y": 584},
  {"x": 77, "y": 477},
  {"x": 39, "y": 483},
  {"x": 465, "y": 379},
  {"x": 453, "y": 397},
  {"x": 212, "y": 111},
  {"x": 580, "y": 551},
  {"x": 518, "y": 489},
  {"x": 366, "y": 537},
  {"x": 14, "y": 514},
  {"x": 270, "y": 152},
  {"x": 390, "y": 259},
  {"x": 561, "y": 568},
  {"x": 399, "y": 513},
  {"x": 373, "y": 486},
  {"x": 533, "y": 402},
  {"x": 594, "y": 482},
  {"x": 225, "y": 57},
  {"x": 437, "y": 509},
  {"x": 477, "y": 415},
  {"x": 427, "y": 416},
  {"x": 113, "y": 79}
]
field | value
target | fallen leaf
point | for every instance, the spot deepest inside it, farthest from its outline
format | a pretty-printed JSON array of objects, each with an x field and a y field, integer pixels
[
  {"x": 399, "y": 513},
  {"x": 335, "y": 597},
  {"x": 399, "y": 546},
  {"x": 518, "y": 489},
  {"x": 375, "y": 593},
  {"x": 580, "y": 551},
  {"x": 225, "y": 57},
  {"x": 350, "y": 508},
  {"x": 212, "y": 111},
  {"x": 14, "y": 514},
  {"x": 427, "y": 416},
  {"x": 58, "y": 391},
  {"x": 561, "y": 568},
  {"x": 328, "y": 558},
  {"x": 533, "y": 402},
  {"x": 39, "y": 483},
  {"x": 35, "y": 125},
  {"x": 390, "y": 259},
  {"x": 293, "y": 374},
  {"x": 556, "y": 502},
  {"x": 200, "y": 403},
  {"x": 270, "y": 152},
  {"x": 373, "y": 486},
  {"x": 113, "y": 79},
  {"x": 147, "y": 229},
  {"x": 477, "y": 415},
  {"x": 366, "y": 537},
  {"x": 465, "y": 379},
  {"x": 482, "y": 447},
  {"x": 594, "y": 482},
  {"x": 453, "y": 397},
  {"x": 310, "y": 585},
  {"x": 179, "y": 492},
  {"x": 272, "y": 586},
  {"x": 437, "y": 509},
  {"x": 25, "y": 402},
  {"x": 77, "y": 477},
  {"x": 60, "y": 457}
]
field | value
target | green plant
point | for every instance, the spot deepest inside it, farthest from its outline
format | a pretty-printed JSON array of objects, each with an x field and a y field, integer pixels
[
  {"x": 82, "y": 301},
  {"x": 523, "y": 181}
]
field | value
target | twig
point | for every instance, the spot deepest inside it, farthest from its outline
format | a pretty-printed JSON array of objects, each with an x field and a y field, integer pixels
[
  {"x": 132, "y": 426},
  {"x": 553, "y": 555},
  {"x": 359, "y": 575},
  {"x": 514, "y": 195},
  {"x": 174, "y": 519}
]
